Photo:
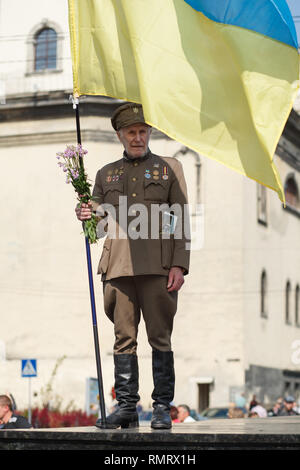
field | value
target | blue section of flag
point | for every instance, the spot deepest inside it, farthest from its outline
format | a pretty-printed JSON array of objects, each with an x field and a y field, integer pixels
[{"x": 269, "y": 17}]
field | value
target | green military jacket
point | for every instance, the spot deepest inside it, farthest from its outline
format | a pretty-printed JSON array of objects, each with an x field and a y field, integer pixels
[{"x": 131, "y": 187}]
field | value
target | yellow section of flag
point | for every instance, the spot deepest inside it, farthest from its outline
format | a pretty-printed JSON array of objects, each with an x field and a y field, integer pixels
[{"x": 221, "y": 90}]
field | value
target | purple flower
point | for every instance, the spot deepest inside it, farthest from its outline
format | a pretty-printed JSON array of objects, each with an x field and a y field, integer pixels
[
  {"x": 74, "y": 173},
  {"x": 70, "y": 165},
  {"x": 81, "y": 151}
]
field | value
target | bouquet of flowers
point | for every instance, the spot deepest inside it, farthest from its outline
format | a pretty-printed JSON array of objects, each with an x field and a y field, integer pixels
[{"x": 69, "y": 161}]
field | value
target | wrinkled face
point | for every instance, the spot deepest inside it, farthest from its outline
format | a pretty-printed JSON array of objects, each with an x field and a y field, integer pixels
[{"x": 135, "y": 139}]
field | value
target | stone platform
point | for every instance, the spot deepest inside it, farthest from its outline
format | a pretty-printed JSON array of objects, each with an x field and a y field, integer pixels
[{"x": 216, "y": 434}]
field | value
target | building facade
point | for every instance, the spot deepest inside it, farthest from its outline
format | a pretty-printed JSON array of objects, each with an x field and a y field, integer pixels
[{"x": 237, "y": 329}]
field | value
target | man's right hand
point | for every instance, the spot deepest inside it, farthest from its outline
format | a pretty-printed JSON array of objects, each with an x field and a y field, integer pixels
[{"x": 84, "y": 211}]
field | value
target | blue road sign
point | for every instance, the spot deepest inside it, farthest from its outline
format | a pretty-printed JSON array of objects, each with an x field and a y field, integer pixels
[{"x": 29, "y": 368}]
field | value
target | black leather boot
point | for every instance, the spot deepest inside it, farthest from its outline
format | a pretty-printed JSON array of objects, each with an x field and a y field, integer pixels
[
  {"x": 163, "y": 393},
  {"x": 126, "y": 388}
]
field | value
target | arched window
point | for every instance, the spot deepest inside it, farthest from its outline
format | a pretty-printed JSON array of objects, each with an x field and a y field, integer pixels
[
  {"x": 291, "y": 192},
  {"x": 297, "y": 305},
  {"x": 263, "y": 294},
  {"x": 287, "y": 302},
  {"x": 45, "y": 49}
]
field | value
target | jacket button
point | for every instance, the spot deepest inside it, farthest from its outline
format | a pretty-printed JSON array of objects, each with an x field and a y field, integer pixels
[
  {"x": 135, "y": 164},
  {"x": 133, "y": 194},
  {"x": 134, "y": 178}
]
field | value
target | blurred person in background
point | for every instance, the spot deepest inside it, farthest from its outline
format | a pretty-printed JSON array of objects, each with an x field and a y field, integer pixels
[
  {"x": 184, "y": 414},
  {"x": 253, "y": 402},
  {"x": 236, "y": 412},
  {"x": 240, "y": 402},
  {"x": 259, "y": 410},
  {"x": 8, "y": 419},
  {"x": 288, "y": 407},
  {"x": 174, "y": 414},
  {"x": 276, "y": 407}
]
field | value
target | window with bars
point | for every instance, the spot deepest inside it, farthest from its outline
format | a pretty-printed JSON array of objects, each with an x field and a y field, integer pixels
[{"x": 45, "y": 49}]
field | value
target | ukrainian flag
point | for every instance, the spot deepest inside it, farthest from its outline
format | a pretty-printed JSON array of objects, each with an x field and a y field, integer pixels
[{"x": 220, "y": 76}]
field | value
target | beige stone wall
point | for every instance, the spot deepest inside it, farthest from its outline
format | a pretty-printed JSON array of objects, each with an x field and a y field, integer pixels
[
  {"x": 44, "y": 295},
  {"x": 275, "y": 248},
  {"x": 44, "y": 287},
  {"x": 218, "y": 331}
]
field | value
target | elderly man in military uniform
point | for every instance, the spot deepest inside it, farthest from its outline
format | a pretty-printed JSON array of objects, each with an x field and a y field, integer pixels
[{"x": 141, "y": 273}]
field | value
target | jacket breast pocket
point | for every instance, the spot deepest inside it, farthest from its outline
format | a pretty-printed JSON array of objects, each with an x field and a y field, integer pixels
[
  {"x": 112, "y": 192},
  {"x": 156, "y": 190}
]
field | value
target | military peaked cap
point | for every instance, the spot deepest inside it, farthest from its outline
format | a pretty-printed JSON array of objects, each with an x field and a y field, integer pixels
[{"x": 127, "y": 114}]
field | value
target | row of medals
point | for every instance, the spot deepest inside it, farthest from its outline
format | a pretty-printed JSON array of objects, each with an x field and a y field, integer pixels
[
  {"x": 155, "y": 175},
  {"x": 117, "y": 174}
]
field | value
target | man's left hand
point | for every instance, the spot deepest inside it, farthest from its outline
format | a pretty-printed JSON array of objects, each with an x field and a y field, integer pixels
[{"x": 176, "y": 279}]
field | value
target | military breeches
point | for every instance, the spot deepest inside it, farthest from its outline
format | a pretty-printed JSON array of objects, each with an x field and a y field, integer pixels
[{"x": 124, "y": 300}]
